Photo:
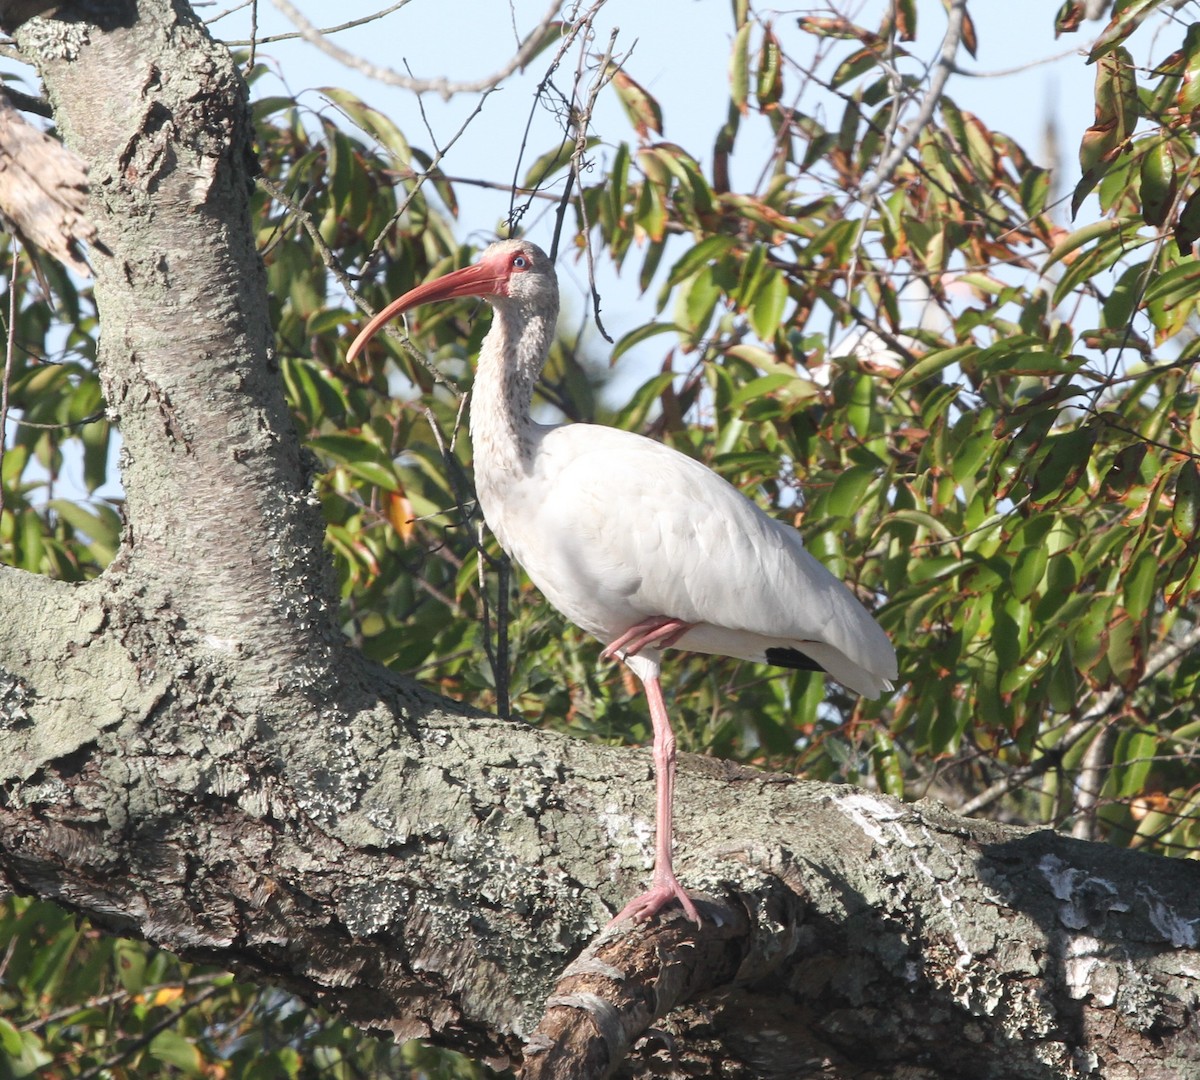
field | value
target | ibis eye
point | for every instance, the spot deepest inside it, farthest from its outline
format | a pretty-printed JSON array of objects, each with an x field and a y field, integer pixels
[{"x": 519, "y": 262}]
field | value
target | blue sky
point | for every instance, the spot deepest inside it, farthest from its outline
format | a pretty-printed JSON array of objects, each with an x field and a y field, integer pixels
[{"x": 680, "y": 53}]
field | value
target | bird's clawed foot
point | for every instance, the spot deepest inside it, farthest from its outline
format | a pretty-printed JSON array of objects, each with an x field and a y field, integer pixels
[
  {"x": 658, "y": 631},
  {"x": 643, "y": 908}
]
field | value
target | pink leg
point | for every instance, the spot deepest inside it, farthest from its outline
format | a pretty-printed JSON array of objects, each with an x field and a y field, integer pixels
[
  {"x": 658, "y": 630},
  {"x": 665, "y": 886}
]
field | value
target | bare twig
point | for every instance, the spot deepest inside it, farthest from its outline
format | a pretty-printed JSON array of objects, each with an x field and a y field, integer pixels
[
  {"x": 253, "y": 37},
  {"x": 331, "y": 261},
  {"x": 582, "y": 25},
  {"x": 40, "y": 1023},
  {"x": 443, "y": 86},
  {"x": 39, "y": 106},
  {"x": 64, "y": 425},
  {"x": 147, "y": 1036},
  {"x": 374, "y": 16},
  {"x": 9, "y": 350},
  {"x": 942, "y": 69},
  {"x": 1020, "y": 69},
  {"x": 420, "y": 178},
  {"x": 605, "y": 72},
  {"x": 497, "y": 653}
]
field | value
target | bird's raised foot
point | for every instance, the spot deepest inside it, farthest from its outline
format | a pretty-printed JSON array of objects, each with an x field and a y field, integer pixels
[
  {"x": 643, "y": 908},
  {"x": 658, "y": 631}
]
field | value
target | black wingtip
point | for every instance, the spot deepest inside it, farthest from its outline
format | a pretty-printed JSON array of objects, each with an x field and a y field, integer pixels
[{"x": 792, "y": 658}]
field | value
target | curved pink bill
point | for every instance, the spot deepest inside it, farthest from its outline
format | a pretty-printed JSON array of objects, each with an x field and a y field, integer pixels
[{"x": 478, "y": 279}]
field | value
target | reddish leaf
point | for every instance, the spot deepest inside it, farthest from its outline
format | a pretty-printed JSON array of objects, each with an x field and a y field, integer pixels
[{"x": 643, "y": 110}]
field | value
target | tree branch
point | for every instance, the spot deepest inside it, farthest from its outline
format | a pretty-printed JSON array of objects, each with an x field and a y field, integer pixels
[
  {"x": 445, "y": 87},
  {"x": 192, "y": 754},
  {"x": 43, "y": 190},
  {"x": 942, "y": 69}
]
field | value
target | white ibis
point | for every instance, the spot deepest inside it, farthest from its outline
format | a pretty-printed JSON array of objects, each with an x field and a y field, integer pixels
[{"x": 638, "y": 544}]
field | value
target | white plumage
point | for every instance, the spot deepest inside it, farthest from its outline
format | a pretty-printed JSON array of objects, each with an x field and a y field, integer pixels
[
  {"x": 614, "y": 528},
  {"x": 641, "y": 546}
]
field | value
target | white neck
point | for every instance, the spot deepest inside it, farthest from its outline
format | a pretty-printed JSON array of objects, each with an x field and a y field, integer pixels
[{"x": 510, "y": 362}]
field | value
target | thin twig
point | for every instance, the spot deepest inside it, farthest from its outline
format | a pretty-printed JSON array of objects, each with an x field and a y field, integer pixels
[
  {"x": 420, "y": 178},
  {"x": 467, "y": 504},
  {"x": 942, "y": 69},
  {"x": 147, "y": 1036},
  {"x": 9, "y": 351},
  {"x": 28, "y": 103},
  {"x": 293, "y": 37},
  {"x": 1020, "y": 69},
  {"x": 441, "y": 85},
  {"x": 253, "y": 37},
  {"x": 606, "y": 71},
  {"x": 582, "y": 25},
  {"x": 64, "y": 425},
  {"x": 331, "y": 261},
  {"x": 39, "y": 1023}
]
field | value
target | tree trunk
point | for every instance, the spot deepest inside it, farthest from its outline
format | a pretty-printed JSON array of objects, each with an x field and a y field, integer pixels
[{"x": 193, "y": 754}]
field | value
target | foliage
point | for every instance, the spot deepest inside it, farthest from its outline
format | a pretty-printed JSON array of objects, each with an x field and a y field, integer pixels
[
  {"x": 1010, "y": 477},
  {"x": 89, "y": 1004}
]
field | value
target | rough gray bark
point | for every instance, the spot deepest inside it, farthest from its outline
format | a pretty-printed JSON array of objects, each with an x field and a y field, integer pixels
[{"x": 193, "y": 754}]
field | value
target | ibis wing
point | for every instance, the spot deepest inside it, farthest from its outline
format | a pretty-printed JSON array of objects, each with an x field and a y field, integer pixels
[{"x": 640, "y": 530}]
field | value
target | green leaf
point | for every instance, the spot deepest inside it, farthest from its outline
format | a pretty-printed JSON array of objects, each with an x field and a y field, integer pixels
[
  {"x": 551, "y": 162},
  {"x": 25, "y": 1055},
  {"x": 769, "y": 88},
  {"x": 887, "y": 766},
  {"x": 1028, "y": 571},
  {"x": 171, "y": 1048},
  {"x": 370, "y": 120},
  {"x": 1064, "y": 464},
  {"x": 1186, "y": 513},
  {"x": 845, "y": 500},
  {"x": 1177, "y": 285},
  {"x": 761, "y": 387},
  {"x": 1074, "y": 241},
  {"x": 1125, "y": 471},
  {"x": 701, "y": 255},
  {"x": 642, "y": 109},
  {"x": 936, "y": 527},
  {"x": 1138, "y": 585},
  {"x": 10, "y": 1039},
  {"x": 131, "y": 966},
  {"x": 362, "y": 457},
  {"x": 858, "y": 63},
  {"x": 739, "y": 68},
  {"x": 766, "y": 309},
  {"x": 1187, "y": 230},
  {"x": 1157, "y": 182},
  {"x": 933, "y": 362}
]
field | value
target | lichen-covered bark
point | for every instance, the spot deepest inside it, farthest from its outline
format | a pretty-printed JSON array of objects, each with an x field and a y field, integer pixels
[
  {"x": 192, "y": 754},
  {"x": 221, "y": 525}
]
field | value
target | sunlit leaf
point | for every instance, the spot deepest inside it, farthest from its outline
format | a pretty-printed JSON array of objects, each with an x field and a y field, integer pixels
[
  {"x": 739, "y": 68},
  {"x": 1158, "y": 182},
  {"x": 642, "y": 109},
  {"x": 1185, "y": 517}
]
